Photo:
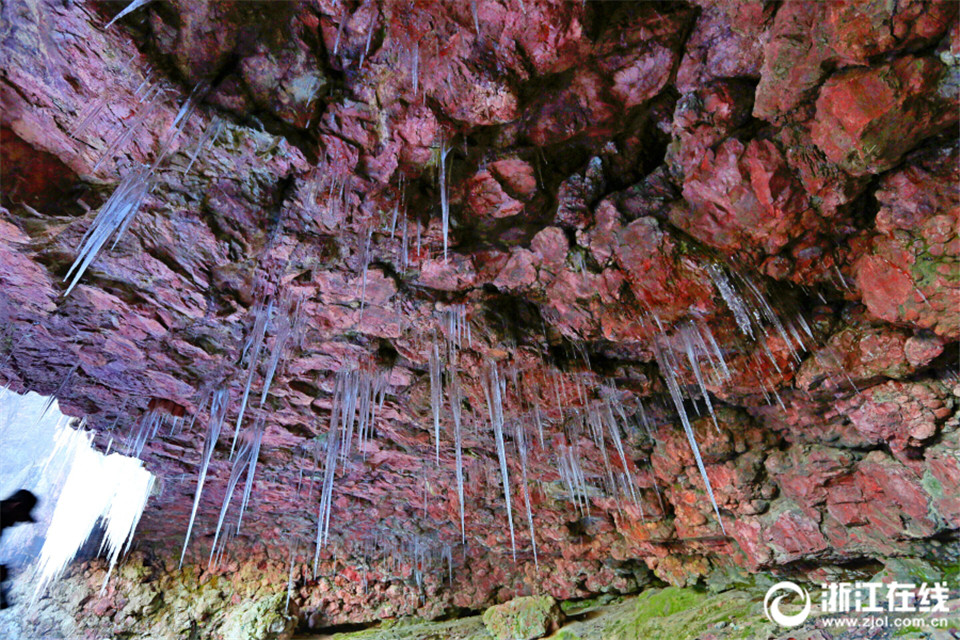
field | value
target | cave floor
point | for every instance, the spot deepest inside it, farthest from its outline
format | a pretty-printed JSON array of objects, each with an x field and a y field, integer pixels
[{"x": 662, "y": 614}]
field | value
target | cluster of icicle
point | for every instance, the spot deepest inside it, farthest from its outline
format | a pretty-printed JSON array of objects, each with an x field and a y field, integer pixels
[
  {"x": 119, "y": 211},
  {"x": 756, "y": 319},
  {"x": 283, "y": 320},
  {"x": 357, "y": 397},
  {"x": 108, "y": 489}
]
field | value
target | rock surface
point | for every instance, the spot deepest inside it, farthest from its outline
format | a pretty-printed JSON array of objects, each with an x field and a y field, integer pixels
[
  {"x": 772, "y": 187},
  {"x": 526, "y": 618}
]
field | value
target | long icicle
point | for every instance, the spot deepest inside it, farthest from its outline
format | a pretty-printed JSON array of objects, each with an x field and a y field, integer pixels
[
  {"x": 253, "y": 347},
  {"x": 240, "y": 464},
  {"x": 252, "y": 467},
  {"x": 667, "y": 371},
  {"x": 112, "y": 220},
  {"x": 444, "y": 199},
  {"x": 522, "y": 449},
  {"x": 133, "y": 6},
  {"x": 455, "y": 408},
  {"x": 492, "y": 390},
  {"x": 219, "y": 401},
  {"x": 329, "y": 469},
  {"x": 436, "y": 393}
]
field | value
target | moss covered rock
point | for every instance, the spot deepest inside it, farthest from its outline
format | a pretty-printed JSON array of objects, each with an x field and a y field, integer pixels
[{"x": 523, "y": 618}]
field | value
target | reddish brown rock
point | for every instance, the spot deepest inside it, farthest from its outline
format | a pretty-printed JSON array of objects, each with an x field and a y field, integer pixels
[
  {"x": 808, "y": 38},
  {"x": 726, "y": 42},
  {"x": 909, "y": 271},
  {"x": 742, "y": 197},
  {"x": 602, "y": 155},
  {"x": 861, "y": 113},
  {"x": 899, "y": 414}
]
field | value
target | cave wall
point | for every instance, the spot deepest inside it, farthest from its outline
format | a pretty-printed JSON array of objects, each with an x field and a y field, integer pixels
[{"x": 600, "y": 159}]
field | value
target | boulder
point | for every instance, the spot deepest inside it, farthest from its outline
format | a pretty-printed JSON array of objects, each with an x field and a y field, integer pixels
[{"x": 524, "y": 618}]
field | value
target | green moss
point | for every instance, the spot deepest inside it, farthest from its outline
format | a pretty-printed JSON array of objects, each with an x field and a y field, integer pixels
[
  {"x": 579, "y": 606},
  {"x": 686, "y": 614},
  {"x": 522, "y": 618},
  {"x": 258, "y": 619},
  {"x": 667, "y": 602}
]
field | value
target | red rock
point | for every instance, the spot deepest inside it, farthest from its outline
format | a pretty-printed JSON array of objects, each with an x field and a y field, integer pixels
[
  {"x": 647, "y": 256},
  {"x": 579, "y": 108},
  {"x": 794, "y": 535},
  {"x": 551, "y": 247},
  {"x": 742, "y": 197},
  {"x": 908, "y": 272},
  {"x": 900, "y": 414},
  {"x": 487, "y": 199},
  {"x": 861, "y": 113},
  {"x": 727, "y": 42},
  {"x": 518, "y": 273},
  {"x": 808, "y": 38},
  {"x": 516, "y": 176},
  {"x": 587, "y": 194},
  {"x": 450, "y": 275},
  {"x": 920, "y": 350}
]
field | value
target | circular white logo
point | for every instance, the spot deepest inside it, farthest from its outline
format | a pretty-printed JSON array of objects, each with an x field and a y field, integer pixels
[{"x": 772, "y": 609}]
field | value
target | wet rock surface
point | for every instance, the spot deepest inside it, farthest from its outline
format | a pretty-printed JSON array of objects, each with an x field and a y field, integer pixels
[{"x": 599, "y": 164}]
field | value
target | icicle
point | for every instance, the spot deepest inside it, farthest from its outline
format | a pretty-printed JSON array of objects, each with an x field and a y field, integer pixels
[
  {"x": 667, "y": 370},
  {"x": 772, "y": 317},
  {"x": 596, "y": 430},
  {"x": 326, "y": 492},
  {"x": 48, "y": 403},
  {"x": 370, "y": 30},
  {"x": 456, "y": 400},
  {"x": 180, "y": 120},
  {"x": 145, "y": 84},
  {"x": 252, "y": 347},
  {"x": 286, "y": 605},
  {"x": 210, "y": 135},
  {"x": 126, "y": 135},
  {"x": 112, "y": 220},
  {"x": 476, "y": 16},
  {"x": 251, "y": 467},
  {"x": 717, "y": 352},
  {"x": 133, "y": 6},
  {"x": 393, "y": 221},
  {"x": 572, "y": 477},
  {"x": 522, "y": 449},
  {"x": 539, "y": 421},
  {"x": 240, "y": 464},
  {"x": 448, "y": 556},
  {"x": 416, "y": 68},
  {"x": 340, "y": 28},
  {"x": 843, "y": 280},
  {"x": 436, "y": 394},
  {"x": 734, "y": 302},
  {"x": 219, "y": 403},
  {"x": 492, "y": 390},
  {"x": 444, "y": 198},
  {"x": 90, "y": 115},
  {"x": 287, "y": 329},
  {"x": 366, "y": 266},
  {"x": 404, "y": 246},
  {"x": 688, "y": 343}
]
